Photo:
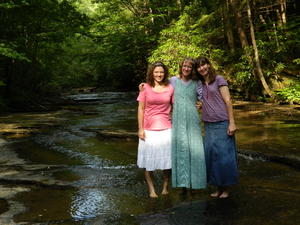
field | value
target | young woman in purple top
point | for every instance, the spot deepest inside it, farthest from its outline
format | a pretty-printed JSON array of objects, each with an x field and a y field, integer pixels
[{"x": 219, "y": 141}]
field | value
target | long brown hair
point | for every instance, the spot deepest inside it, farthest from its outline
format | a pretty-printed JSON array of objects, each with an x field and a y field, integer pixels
[
  {"x": 192, "y": 61},
  {"x": 200, "y": 61},
  {"x": 150, "y": 78}
]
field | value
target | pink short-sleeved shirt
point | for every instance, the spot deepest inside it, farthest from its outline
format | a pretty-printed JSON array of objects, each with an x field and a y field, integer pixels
[{"x": 157, "y": 107}]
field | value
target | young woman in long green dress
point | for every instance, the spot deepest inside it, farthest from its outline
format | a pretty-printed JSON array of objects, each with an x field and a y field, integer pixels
[{"x": 188, "y": 158}]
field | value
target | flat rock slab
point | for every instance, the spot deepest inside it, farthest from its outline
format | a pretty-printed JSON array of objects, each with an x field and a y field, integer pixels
[{"x": 121, "y": 135}]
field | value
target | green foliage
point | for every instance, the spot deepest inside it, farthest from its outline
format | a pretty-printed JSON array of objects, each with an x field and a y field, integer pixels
[
  {"x": 50, "y": 45},
  {"x": 297, "y": 61},
  {"x": 2, "y": 83},
  {"x": 289, "y": 94},
  {"x": 187, "y": 37},
  {"x": 175, "y": 44},
  {"x": 10, "y": 52},
  {"x": 31, "y": 39},
  {"x": 242, "y": 77}
]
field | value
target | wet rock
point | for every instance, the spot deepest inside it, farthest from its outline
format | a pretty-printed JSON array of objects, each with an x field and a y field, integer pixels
[
  {"x": 85, "y": 90},
  {"x": 3, "y": 206},
  {"x": 116, "y": 134},
  {"x": 15, "y": 171},
  {"x": 32, "y": 175},
  {"x": 13, "y": 207},
  {"x": 286, "y": 160}
]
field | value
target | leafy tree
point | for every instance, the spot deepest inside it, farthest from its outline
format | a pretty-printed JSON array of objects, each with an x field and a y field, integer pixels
[{"x": 32, "y": 33}]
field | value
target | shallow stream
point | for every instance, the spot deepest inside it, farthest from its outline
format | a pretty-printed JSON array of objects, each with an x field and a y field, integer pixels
[{"x": 56, "y": 170}]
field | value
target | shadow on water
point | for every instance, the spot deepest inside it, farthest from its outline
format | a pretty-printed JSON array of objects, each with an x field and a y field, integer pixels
[
  {"x": 217, "y": 212},
  {"x": 268, "y": 194},
  {"x": 107, "y": 188}
]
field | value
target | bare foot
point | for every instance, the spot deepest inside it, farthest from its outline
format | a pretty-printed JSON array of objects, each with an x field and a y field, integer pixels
[
  {"x": 153, "y": 195},
  {"x": 225, "y": 194},
  {"x": 215, "y": 194},
  {"x": 165, "y": 192}
]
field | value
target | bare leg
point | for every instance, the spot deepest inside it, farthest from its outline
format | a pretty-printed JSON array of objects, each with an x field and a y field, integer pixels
[
  {"x": 148, "y": 177},
  {"x": 166, "y": 182}
]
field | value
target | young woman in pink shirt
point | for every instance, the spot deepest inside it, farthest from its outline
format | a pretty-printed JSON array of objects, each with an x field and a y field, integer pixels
[{"x": 154, "y": 121}]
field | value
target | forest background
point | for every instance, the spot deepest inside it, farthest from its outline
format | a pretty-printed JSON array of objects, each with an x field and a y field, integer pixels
[{"x": 48, "y": 47}]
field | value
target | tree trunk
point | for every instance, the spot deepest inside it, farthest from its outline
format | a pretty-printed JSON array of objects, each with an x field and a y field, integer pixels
[
  {"x": 283, "y": 11},
  {"x": 238, "y": 19},
  {"x": 256, "y": 53},
  {"x": 276, "y": 36},
  {"x": 228, "y": 27},
  {"x": 180, "y": 5},
  {"x": 269, "y": 31}
]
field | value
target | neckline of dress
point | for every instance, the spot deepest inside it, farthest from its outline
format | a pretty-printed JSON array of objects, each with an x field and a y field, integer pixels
[{"x": 185, "y": 83}]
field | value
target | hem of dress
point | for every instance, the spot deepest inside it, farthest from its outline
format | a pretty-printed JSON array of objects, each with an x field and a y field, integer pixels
[
  {"x": 160, "y": 129},
  {"x": 153, "y": 169},
  {"x": 185, "y": 186},
  {"x": 223, "y": 185}
]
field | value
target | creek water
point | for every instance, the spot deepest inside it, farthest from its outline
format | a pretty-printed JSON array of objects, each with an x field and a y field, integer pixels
[{"x": 63, "y": 173}]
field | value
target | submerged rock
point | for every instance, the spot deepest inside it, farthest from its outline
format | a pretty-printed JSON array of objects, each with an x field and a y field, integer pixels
[
  {"x": 115, "y": 134},
  {"x": 293, "y": 162}
]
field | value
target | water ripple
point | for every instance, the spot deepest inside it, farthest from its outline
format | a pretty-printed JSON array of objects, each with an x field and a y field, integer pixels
[{"x": 89, "y": 203}]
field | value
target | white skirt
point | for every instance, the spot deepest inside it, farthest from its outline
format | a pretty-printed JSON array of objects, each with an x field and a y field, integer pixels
[{"x": 154, "y": 153}]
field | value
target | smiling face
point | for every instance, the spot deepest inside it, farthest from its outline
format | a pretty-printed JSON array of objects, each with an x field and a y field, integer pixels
[
  {"x": 158, "y": 74},
  {"x": 203, "y": 70},
  {"x": 186, "y": 68}
]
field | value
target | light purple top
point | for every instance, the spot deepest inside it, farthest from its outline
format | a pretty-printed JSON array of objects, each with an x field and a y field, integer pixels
[
  {"x": 214, "y": 107},
  {"x": 199, "y": 85}
]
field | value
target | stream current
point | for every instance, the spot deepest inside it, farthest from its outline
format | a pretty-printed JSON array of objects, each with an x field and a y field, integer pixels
[{"x": 63, "y": 173}]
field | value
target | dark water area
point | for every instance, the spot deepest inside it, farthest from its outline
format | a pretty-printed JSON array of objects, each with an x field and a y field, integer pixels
[{"x": 55, "y": 169}]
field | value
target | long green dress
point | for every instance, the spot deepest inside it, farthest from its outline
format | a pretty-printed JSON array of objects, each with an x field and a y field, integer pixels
[{"x": 188, "y": 160}]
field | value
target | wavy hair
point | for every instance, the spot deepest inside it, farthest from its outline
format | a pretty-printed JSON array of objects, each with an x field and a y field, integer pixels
[
  {"x": 150, "y": 78},
  {"x": 192, "y": 62}
]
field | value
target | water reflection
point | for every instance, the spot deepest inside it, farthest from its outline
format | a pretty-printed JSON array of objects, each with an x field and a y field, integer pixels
[
  {"x": 204, "y": 212},
  {"x": 88, "y": 203},
  {"x": 109, "y": 189}
]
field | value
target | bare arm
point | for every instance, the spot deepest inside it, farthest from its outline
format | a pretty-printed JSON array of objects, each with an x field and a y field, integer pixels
[
  {"x": 226, "y": 97},
  {"x": 142, "y": 86},
  {"x": 141, "y": 110}
]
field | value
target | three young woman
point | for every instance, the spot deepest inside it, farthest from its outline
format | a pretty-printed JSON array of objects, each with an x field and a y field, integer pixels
[{"x": 189, "y": 168}]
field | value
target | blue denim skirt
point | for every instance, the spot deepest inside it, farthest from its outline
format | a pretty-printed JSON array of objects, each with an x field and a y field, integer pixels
[{"x": 220, "y": 154}]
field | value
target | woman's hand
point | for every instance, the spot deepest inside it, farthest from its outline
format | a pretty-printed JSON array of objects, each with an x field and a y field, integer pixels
[
  {"x": 142, "y": 86},
  {"x": 141, "y": 134},
  {"x": 198, "y": 105},
  {"x": 231, "y": 129}
]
